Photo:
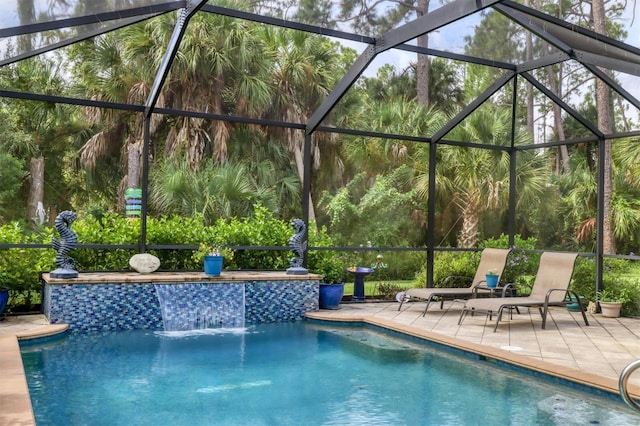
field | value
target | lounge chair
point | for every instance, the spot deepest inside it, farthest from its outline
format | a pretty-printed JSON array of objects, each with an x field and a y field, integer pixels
[
  {"x": 550, "y": 288},
  {"x": 490, "y": 259}
]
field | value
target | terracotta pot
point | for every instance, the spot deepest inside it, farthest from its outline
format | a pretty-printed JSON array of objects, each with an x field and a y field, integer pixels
[{"x": 610, "y": 309}]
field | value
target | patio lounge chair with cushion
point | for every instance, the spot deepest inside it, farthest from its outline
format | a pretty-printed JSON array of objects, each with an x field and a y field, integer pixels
[
  {"x": 490, "y": 259},
  {"x": 550, "y": 288}
]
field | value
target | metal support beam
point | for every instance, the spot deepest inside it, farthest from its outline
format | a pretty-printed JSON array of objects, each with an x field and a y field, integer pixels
[
  {"x": 174, "y": 43},
  {"x": 438, "y": 18},
  {"x": 627, "y": 67},
  {"x": 586, "y": 123},
  {"x": 70, "y": 41},
  {"x": 543, "y": 62},
  {"x": 512, "y": 166},
  {"x": 526, "y": 21},
  {"x": 431, "y": 214},
  {"x": 306, "y": 194},
  {"x": 572, "y": 34},
  {"x": 497, "y": 85},
  {"x": 283, "y": 23},
  {"x": 341, "y": 88},
  {"x": 95, "y": 18},
  {"x": 600, "y": 215},
  {"x": 145, "y": 184},
  {"x": 614, "y": 85}
]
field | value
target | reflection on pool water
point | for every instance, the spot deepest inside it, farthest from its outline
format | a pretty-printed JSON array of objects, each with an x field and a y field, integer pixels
[{"x": 288, "y": 374}]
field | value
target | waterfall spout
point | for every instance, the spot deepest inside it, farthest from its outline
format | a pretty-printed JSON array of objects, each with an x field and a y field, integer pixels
[{"x": 201, "y": 306}]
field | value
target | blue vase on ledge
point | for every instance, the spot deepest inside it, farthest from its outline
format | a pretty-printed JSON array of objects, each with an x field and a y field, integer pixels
[{"x": 213, "y": 265}]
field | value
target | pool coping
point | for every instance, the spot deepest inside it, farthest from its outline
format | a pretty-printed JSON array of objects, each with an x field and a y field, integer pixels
[
  {"x": 568, "y": 374},
  {"x": 15, "y": 402}
]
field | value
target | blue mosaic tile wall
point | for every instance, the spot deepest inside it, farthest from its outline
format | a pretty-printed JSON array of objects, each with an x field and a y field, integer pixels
[
  {"x": 279, "y": 301},
  {"x": 101, "y": 307},
  {"x": 117, "y": 306}
]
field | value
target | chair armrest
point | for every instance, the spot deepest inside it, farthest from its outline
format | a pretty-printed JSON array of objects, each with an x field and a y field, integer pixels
[
  {"x": 551, "y": 290},
  {"x": 509, "y": 287}
]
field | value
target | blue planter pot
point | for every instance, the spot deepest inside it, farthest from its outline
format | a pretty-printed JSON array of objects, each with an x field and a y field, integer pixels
[
  {"x": 492, "y": 280},
  {"x": 213, "y": 265},
  {"x": 4, "y": 298},
  {"x": 331, "y": 295}
]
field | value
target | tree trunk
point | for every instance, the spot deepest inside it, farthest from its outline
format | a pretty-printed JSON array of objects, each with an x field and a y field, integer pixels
[
  {"x": 422, "y": 67},
  {"x": 555, "y": 87},
  {"x": 530, "y": 105},
  {"x": 603, "y": 103},
  {"x": 470, "y": 221},
  {"x": 134, "y": 153},
  {"x": 36, "y": 191},
  {"x": 299, "y": 158}
]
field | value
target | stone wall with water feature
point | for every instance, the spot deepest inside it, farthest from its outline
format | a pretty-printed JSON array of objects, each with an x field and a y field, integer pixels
[{"x": 176, "y": 301}]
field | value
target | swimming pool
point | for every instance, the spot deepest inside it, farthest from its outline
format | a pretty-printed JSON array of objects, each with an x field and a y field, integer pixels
[{"x": 288, "y": 374}]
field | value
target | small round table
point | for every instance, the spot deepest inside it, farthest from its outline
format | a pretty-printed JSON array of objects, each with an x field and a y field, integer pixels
[{"x": 359, "y": 272}]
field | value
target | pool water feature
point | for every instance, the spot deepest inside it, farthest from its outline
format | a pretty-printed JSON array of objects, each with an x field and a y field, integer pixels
[
  {"x": 199, "y": 306},
  {"x": 288, "y": 374}
]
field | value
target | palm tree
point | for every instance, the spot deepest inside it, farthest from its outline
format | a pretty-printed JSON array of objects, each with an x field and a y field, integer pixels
[
  {"x": 213, "y": 191},
  {"x": 479, "y": 178},
  {"x": 49, "y": 126},
  {"x": 304, "y": 73},
  {"x": 220, "y": 68}
]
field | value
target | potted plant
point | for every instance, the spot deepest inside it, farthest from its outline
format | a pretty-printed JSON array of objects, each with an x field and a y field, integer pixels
[
  {"x": 212, "y": 258},
  {"x": 611, "y": 300},
  {"x": 492, "y": 278},
  {"x": 332, "y": 285},
  {"x": 4, "y": 293}
]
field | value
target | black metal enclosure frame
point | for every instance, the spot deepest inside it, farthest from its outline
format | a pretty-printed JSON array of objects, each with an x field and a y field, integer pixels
[{"x": 574, "y": 43}]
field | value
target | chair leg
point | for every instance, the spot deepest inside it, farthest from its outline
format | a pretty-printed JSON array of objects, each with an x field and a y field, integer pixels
[
  {"x": 462, "y": 315},
  {"x": 402, "y": 302},
  {"x": 498, "y": 318},
  {"x": 584, "y": 316},
  {"x": 544, "y": 316},
  {"x": 427, "y": 307}
]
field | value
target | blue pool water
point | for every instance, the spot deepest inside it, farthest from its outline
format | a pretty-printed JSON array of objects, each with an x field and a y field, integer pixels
[{"x": 289, "y": 374}]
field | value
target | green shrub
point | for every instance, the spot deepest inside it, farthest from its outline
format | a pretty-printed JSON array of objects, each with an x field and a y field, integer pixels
[
  {"x": 20, "y": 266},
  {"x": 617, "y": 277},
  {"x": 459, "y": 266}
]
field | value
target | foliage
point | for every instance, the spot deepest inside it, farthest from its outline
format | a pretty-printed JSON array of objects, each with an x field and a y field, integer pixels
[
  {"x": 208, "y": 250},
  {"x": 619, "y": 280},
  {"x": 522, "y": 264},
  {"x": 382, "y": 209},
  {"x": 388, "y": 290},
  {"x": 329, "y": 265},
  {"x": 20, "y": 266},
  {"x": 12, "y": 173},
  {"x": 615, "y": 293},
  {"x": 261, "y": 229},
  {"x": 451, "y": 269}
]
